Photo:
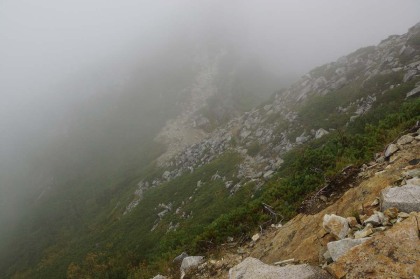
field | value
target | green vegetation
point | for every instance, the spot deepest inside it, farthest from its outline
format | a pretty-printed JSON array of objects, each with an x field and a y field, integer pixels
[
  {"x": 321, "y": 111},
  {"x": 125, "y": 247}
]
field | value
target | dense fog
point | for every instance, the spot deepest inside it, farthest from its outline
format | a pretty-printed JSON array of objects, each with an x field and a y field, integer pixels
[{"x": 68, "y": 65}]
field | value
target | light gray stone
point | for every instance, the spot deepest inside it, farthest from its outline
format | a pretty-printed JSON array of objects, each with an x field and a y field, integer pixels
[
  {"x": 166, "y": 175},
  {"x": 320, "y": 133},
  {"x": 340, "y": 247},
  {"x": 409, "y": 75},
  {"x": 391, "y": 149},
  {"x": 405, "y": 139},
  {"x": 268, "y": 174},
  {"x": 374, "y": 220},
  {"x": 413, "y": 92},
  {"x": 405, "y": 198},
  {"x": 336, "y": 225},
  {"x": 252, "y": 268},
  {"x": 413, "y": 182},
  {"x": 189, "y": 263},
  {"x": 159, "y": 277}
]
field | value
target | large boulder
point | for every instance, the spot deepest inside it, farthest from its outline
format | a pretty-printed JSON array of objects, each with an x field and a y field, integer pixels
[
  {"x": 336, "y": 225},
  {"x": 252, "y": 268},
  {"x": 405, "y": 198},
  {"x": 189, "y": 263},
  {"x": 159, "y": 277},
  {"x": 391, "y": 149},
  {"x": 340, "y": 247},
  {"x": 405, "y": 139}
]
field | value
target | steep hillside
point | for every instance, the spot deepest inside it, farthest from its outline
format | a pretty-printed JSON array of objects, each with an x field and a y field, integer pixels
[
  {"x": 392, "y": 246},
  {"x": 242, "y": 173}
]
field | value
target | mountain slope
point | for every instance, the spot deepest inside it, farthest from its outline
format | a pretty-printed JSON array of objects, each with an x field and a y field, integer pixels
[{"x": 273, "y": 155}]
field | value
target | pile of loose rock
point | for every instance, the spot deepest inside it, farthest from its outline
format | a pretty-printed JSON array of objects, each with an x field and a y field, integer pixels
[{"x": 390, "y": 208}]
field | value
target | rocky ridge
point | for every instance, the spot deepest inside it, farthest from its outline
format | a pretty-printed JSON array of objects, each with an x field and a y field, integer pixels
[{"x": 263, "y": 135}]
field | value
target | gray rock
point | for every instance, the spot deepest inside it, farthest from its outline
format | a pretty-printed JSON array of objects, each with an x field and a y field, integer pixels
[
  {"x": 374, "y": 220},
  {"x": 412, "y": 173},
  {"x": 405, "y": 139},
  {"x": 405, "y": 198},
  {"x": 180, "y": 258},
  {"x": 336, "y": 225},
  {"x": 159, "y": 277},
  {"x": 252, "y": 268},
  {"x": 391, "y": 149},
  {"x": 410, "y": 74},
  {"x": 413, "y": 182},
  {"x": 166, "y": 175},
  {"x": 189, "y": 263},
  {"x": 340, "y": 247},
  {"x": 414, "y": 92},
  {"x": 268, "y": 174},
  {"x": 302, "y": 139},
  {"x": 320, "y": 133}
]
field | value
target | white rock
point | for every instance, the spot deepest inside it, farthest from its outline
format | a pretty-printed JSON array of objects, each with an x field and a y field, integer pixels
[
  {"x": 413, "y": 182},
  {"x": 255, "y": 237},
  {"x": 391, "y": 149},
  {"x": 374, "y": 220},
  {"x": 405, "y": 139},
  {"x": 336, "y": 225},
  {"x": 189, "y": 263},
  {"x": 320, "y": 133},
  {"x": 406, "y": 198},
  {"x": 340, "y": 247}
]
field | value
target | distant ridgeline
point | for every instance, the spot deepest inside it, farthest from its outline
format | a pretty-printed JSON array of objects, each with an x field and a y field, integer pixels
[{"x": 277, "y": 153}]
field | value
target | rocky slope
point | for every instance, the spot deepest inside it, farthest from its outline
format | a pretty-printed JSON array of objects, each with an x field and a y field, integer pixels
[
  {"x": 360, "y": 227},
  {"x": 367, "y": 232},
  {"x": 352, "y": 84}
]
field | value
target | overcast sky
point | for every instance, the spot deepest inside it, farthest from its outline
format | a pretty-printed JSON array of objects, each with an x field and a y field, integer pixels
[{"x": 45, "y": 43}]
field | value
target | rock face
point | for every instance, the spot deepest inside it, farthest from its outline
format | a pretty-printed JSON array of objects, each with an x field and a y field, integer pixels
[
  {"x": 405, "y": 198},
  {"x": 393, "y": 254},
  {"x": 159, "y": 277},
  {"x": 336, "y": 225},
  {"x": 340, "y": 247},
  {"x": 252, "y": 268},
  {"x": 189, "y": 263}
]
